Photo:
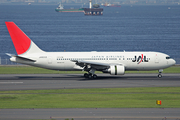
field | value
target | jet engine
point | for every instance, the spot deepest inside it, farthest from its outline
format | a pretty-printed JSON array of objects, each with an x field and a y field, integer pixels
[{"x": 115, "y": 70}]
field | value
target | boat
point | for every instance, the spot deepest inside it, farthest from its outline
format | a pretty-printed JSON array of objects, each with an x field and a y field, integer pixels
[
  {"x": 96, "y": 5},
  {"x": 60, "y": 8},
  {"x": 111, "y": 5}
]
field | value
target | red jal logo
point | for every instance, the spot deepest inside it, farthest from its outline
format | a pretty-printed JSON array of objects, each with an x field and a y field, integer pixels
[{"x": 140, "y": 59}]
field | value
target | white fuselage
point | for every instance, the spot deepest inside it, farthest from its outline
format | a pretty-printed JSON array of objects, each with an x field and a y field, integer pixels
[{"x": 130, "y": 60}]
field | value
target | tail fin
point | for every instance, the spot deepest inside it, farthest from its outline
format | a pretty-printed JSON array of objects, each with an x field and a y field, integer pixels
[{"x": 22, "y": 43}]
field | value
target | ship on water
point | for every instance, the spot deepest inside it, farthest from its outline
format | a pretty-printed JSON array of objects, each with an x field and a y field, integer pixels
[
  {"x": 110, "y": 5},
  {"x": 60, "y": 8}
]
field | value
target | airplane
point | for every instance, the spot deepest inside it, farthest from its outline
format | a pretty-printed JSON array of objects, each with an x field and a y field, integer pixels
[{"x": 114, "y": 63}]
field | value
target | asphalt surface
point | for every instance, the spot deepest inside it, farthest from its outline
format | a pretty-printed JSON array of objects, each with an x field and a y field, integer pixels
[
  {"x": 92, "y": 113},
  {"x": 69, "y": 81}
]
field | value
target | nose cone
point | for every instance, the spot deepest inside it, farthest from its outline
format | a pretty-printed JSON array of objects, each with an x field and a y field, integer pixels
[{"x": 173, "y": 62}]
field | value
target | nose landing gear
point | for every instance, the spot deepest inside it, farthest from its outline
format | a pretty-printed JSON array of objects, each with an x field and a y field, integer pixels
[{"x": 159, "y": 75}]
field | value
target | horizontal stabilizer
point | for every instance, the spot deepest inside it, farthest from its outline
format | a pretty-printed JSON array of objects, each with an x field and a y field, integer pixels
[
  {"x": 11, "y": 55},
  {"x": 21, "y": 58},
  {"x": 26, "y": 59}
]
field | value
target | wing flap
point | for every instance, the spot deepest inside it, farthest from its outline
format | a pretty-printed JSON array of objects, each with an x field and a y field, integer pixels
[{"x": 95, "y": 65}]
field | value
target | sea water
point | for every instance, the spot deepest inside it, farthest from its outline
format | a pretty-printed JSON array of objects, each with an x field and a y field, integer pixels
[{"x": 129, "y": 28}]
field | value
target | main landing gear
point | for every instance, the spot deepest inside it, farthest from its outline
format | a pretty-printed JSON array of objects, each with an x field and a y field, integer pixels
[
  {"x": 159, "y": 75},
  {"x": 90, "y": 76}
]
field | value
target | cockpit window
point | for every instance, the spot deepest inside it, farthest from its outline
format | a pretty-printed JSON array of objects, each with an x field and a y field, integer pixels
[{"x": 168, "y": 57}]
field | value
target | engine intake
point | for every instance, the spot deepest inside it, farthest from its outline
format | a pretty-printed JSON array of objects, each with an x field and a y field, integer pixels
[{"x": 116, "y": 70}]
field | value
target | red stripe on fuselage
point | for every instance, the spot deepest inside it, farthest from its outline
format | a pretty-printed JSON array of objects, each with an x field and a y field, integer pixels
[{"x": 20, "y": 40}]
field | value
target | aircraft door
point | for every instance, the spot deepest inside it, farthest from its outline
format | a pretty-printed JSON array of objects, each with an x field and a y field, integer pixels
[
  {"x": 107, "y": 60},
  {"x": 49, "y": 60},
  {"x": 156, "y": 58}
]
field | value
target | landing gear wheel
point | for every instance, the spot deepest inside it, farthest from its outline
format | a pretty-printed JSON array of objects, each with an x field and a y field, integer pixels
[
  {"x": 86, "y": 75},
  {"x": 94, "y": 76},
  {"x": 160, "y": 71},
  {"x": 159, "y": 75},
  {"x": 90, "y": 76}
]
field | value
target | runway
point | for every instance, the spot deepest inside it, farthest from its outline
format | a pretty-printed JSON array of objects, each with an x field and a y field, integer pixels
[
  {"x": 93, "y": 114},
  {"x": 70, "y": 81}
]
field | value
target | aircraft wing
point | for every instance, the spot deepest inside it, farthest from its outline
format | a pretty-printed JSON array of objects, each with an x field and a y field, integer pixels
[{"x": 95, "y": 65}]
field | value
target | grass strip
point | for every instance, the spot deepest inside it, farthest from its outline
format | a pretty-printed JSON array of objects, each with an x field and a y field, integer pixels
[
  {"x": 36, "y": 70},
  {"x": 92, "y": 98}
]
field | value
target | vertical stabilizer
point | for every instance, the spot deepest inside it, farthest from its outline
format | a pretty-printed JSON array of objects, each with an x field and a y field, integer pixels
[{"x": 22, "y": 43}]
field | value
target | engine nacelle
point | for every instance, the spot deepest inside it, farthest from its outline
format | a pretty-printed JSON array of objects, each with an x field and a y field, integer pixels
[{"x": 116, "y": 70}]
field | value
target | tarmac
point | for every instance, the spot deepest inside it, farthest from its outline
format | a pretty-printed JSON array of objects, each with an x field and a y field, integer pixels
[
  {"x": 70, "y": 81},
  {"x": 92, "y": 113}
]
